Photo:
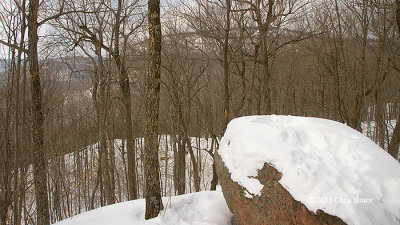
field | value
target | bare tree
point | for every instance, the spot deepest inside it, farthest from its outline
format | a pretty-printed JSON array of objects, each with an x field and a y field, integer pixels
[
  {"x": 126, "y": 93},
  {"x": 39, "y": 152},
  {"x": 226, "y": 62}
]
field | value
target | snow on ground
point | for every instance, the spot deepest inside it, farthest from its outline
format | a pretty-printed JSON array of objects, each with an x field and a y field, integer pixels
[
  {"x": 369, "y": 129},
  {"x": 324, "y": 164},
  {"x": 201, "y": 208},
  {"x": 79, "y": 174}
]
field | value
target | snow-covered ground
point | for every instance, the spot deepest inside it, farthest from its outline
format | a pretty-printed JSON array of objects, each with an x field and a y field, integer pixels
[
  {"x": 201, "y": 208},
  {"x": 88, "y": 158},
  {"x": 369, "y": 129},
  {"x": 324, "y": 164},
  {"x": 76, "y": 175}
]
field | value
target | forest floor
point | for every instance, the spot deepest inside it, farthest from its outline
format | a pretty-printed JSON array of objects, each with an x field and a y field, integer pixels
[{"x": 201, "y": 208}]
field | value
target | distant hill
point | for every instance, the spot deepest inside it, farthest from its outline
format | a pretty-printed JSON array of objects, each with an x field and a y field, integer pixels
[{"x": 75, "y": 68}]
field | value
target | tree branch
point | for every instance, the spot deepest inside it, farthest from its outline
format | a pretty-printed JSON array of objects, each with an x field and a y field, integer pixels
[{"x": 13, "y": 46}]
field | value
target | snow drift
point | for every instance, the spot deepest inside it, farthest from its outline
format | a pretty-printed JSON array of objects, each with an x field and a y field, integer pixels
[
  {"x": 201, "y": 208},
  {"x": 324, "y": 164}
]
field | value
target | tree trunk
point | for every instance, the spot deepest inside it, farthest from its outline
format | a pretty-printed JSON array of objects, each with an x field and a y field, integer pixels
[
  {"x": 395, "y": 141},
  {"x": 166, "y": 165},
  {"x": 398, "y": 14},
  {"x": 181, "y": 165},
  {"x": 39, "y": 153},
  {"x": 151, "y": 167},
  {"x": 18, "y": 136},
  {"x": 355, "y": 114},
  {"x": 103, "y": 152},
  {"x": 379, "y": 120},
  {"x": 266, "y": 83},
  {"x": 263, "y": 28},
  {"x": 226, "y": 64},
  {"x": 126, "y": 95},
  {"x": 196, "y": 177},
  {"x": 214, "y": 180},
  {"x": 27, "y": 144}
]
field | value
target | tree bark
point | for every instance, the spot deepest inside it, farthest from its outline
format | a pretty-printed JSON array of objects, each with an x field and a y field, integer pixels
[
  {"x": 39, "y": 153},
  {"x": 151, "y": 167}
]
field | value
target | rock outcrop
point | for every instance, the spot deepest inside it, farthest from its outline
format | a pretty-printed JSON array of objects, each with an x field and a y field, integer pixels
[{"x": 274, "y": 206}]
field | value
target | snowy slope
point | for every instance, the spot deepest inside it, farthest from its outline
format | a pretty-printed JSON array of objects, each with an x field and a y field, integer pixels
[
  {"x": 79, "y": 174},
  {"x": 324, "y": 164},
  {"x": 201, "y": 208}
]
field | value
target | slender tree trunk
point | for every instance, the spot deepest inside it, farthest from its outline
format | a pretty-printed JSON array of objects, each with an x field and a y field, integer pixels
[
  {"x": 214, "y": 180},
  {"x": 102, "y": 143},
  {"x": 17, "y": 158},
  {"x": 181, "y": 164},
  {"x": 6, "y": 156},
  {"x": 379, "y": 120},
  {"x": 398, "y": 14},
  {"x": 39, "y": 153},
  {"x": 226, "y": 63},
  {"x": 96, "y": 104},
  {"x": 196, "y": 177},
  {"x": 126, "y": 95},
  {"x": 174, "y": 144},
  {"x": 338, "y": 64},
  {"x": 356, "y": 121},
  {"x": 131, "y": 152},
  {"x": 263, "y": 27},
  {"x": 395, "y": 141},
  {"x": 102, "y": 106},
  {"x": 7, "y": 150},
  {"x": 267, "y": 83},
  {"x": 26, "y": 145},
  {"x": 152, "y": 167},
  {"x": 166, "y": 165}
]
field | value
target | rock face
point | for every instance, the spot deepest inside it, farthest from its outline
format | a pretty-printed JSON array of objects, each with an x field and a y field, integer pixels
[{"x": 274, "y": 206}]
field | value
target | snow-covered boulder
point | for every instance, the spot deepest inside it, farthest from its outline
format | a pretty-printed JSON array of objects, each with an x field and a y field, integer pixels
[{"x": 298, "y": 170}]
